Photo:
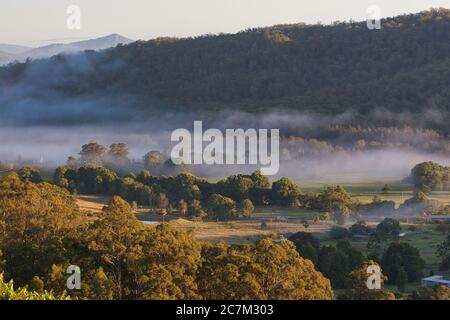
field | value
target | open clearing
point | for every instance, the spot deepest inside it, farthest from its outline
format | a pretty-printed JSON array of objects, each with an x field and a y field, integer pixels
[
  {"x": 92, "y": 203},
  {"x": 279, "y": 220}
]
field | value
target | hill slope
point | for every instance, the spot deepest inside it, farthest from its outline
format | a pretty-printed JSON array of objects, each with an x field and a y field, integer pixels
[
  {"x": 404, "y": 68},
  {"x": 21, "y": 53}
]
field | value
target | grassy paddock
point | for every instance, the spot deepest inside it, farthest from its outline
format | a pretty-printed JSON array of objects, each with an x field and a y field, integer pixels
[{"x": 92, "y": 203}]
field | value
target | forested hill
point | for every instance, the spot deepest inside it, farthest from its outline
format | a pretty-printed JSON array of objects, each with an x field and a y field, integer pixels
[{"x": 404, "y": 67}]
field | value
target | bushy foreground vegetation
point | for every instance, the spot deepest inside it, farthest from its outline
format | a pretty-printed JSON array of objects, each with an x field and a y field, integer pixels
[
  {"x": 42, "y": 232},
  {"x": 7, "y": 292}
]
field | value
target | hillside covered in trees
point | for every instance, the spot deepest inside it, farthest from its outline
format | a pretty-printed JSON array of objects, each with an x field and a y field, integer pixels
[{"x": 382, "y": 77}]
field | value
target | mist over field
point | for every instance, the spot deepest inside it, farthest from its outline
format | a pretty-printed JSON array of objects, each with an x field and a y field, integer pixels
[{"x": 307, "y": 159}]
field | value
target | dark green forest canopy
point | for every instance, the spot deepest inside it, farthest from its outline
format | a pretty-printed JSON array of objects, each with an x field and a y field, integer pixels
[{"x": 402, "y": 68}]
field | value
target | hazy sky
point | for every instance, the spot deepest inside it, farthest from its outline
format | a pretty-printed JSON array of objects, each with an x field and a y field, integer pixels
[{"x": 40, "y": 22}]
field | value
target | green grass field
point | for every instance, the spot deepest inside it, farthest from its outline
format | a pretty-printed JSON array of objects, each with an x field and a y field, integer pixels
[
  {"x": 280, "y": 221},
  {"x": 364, "y": 190}
]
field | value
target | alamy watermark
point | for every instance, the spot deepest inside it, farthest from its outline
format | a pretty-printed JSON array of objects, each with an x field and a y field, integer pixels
[
  {"x": 374, "y": 12},
  {"x": 74, "y": 278},
  {"x": 374, "y": 278},
  {"x": 235, "y": 146},
  {"x": 74, "y": 19}
]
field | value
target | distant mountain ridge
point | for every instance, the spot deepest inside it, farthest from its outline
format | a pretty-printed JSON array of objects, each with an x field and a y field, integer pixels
[
  {"x": 13, "y": 49},
  {"x": 20, "y": 53}
]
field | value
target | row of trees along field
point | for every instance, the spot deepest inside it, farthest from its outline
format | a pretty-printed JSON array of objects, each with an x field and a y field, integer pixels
[
  {"x": 237, "y": 195},
  {"x": 227, "y": 199},
  {"x": 234, "y": 196},
  {"x": 43, "y": 231}
]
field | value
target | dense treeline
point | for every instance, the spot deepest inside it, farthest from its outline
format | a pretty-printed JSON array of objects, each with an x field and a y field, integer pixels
[
  {"x": 404, "y": 67},
  {"x": 430, "y": 176},
  {"x": 227, "y": 199},
  {"x": 98, "y": 171}
]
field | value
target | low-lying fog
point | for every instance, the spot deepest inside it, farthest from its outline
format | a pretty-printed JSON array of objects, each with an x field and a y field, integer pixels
[{"x": 38, "y": 123}]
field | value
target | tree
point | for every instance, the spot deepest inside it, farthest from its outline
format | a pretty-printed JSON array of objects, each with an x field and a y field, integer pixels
[
  {"x": 71, "y": 162},
  {"x": 118, "y": 154},
  {"x": 338, "y": 201},
  {"x": 7, "y": 292},
  {"x": 285, "y": 192},
  {"x": 430, "y": 176},
  {"x": 136, "y": 192},
  {"x": 388, "y": 229},
  {"x": 92, "y": 152},
  {"x": 265, "y": 270},
  {"x": 400, "y": 256},
  {"x": 236, "y": 187},
  {"x": 336, "y": 262},
  {"x": 195, "y": 209},
  {"x": 221, "y": 207},
  {"x": 153, "y": 158},
  {"x": 307, "y": 245},
  {"x": 88, "y": 179},
  {"x": 356, "y": 285},
  {"x": 30, "y": 174},
  {"x": 119, "y": 150},
  {"x": 339, "y": 233},
  {"x": 444, "y": 253},
  {"x": 360, "y": 228},
  {"x": 261, "y": 196},
  {"x": 124, "y": 259},
  {"x": 183, "y": 186},
  {"x": 169, "y": 268},
  {"x": 260, "y": 180},
  {"x": 246, "y": 208},
  {"x": 39, "y": 221},
  {"x": 114, "y": 243}
]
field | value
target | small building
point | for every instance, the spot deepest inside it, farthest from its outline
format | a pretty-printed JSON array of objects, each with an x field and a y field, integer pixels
[{"x": 435, "y": 281}]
